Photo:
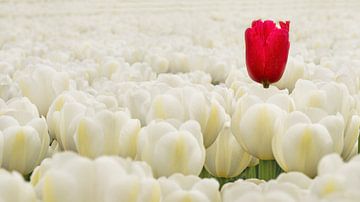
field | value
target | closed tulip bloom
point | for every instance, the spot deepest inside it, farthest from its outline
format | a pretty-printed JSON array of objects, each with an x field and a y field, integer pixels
[
  {"x": 23, "y": 146},
  {"x": 20, "y": 108},
  {"x": 70, "y": 177},
  {"x": 13, "y": 188},
  {"x": 107, "y": 133},
  {"x": 267, "y": 49},
  {"x": 225, "y": 157},
  {"x": 166, "y": 107},
  {"x": 178, "y": 188},
  {"x": 300, "y": 144},
  {"x": 168, "y": 149},
  {"x": 42, "y": 86},
  {"x": 209, "y": 114},
  {"x": 269, "y": 191},
  {"x": 255, "y": 128},
  {"x": 336, "y": 180},
  {"x": 8, "y": 88}
]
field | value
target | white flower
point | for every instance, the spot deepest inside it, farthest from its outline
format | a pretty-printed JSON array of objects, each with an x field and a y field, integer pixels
[
  {"x": 70, "y": 105},
  {"x": 253, "y": 124},
  {"x": 135, "y": 72},
  {"x": 270, "y": 191},
  {"x": 22, "y": 147},
  {"x": 169, "y": 149},
  {"x": 178, "y": 188},
  {"x": 8, "y": 88},
  {"x": 295, "y": 69},
  {"x": 69, "y": 177},
  {"x": 106, "y": 133},
  {"x": 13, "y": 188},
  {"x": 42, "y": 86},
  {"x": 326, "y": 98},
  {"x": 20, "y": 108},
  {"x": 209, "y": 114},
  {"x": 336, "y": 180},
  {"x": 166, "y": 107},
  {"x": 299, "y": 144},
  {"x": 158, "y": 63},
  {"x": 351, "y": 135},
  {"x": 225, "y": 157}
]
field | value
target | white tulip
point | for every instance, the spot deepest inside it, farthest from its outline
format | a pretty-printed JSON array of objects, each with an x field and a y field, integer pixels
[
  {"x": 191, "y": 188},
  {"x": 158, "y": 64},
  {"x": 209, "y": 114},
  {"x": 270, "y": 191},
  {"x": 13, "y": 188},
  {"x": 70, "y": 104},
  {"x": 254, "y": 127},
  {"x": 337, "y": 181},
  {"x": 8, "y": 88},
  {"x": 298, "y": 179},
  {"x": 165, "y": 107},
  {"x": 107, "y": 133},
  {"x": 323, "y": 98},
  {"x": 351, "y": 136},
  {"x": 20, "y": 108},
  {"x": 22, "y": 147},
  {"x": 295, "y": 69},
  {"x": 138, "y": 101},
  {"x": 42, "y": 86},
  {"x": 300, "y": 144},
  {"x": 169, "y": 150},
  {"x": 69, "y": 177},
  {"x": 225, "y": 157}
]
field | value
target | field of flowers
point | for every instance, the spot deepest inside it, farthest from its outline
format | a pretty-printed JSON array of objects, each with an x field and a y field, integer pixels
[{"x": 116, "y": 101}]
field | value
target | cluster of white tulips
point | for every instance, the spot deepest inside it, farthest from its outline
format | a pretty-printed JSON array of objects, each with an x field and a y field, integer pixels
[
  {"x": 70, "y": 177},
  {"x": 150, "y": 101}
]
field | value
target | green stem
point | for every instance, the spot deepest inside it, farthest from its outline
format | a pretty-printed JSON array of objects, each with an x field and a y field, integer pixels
[
  {"x": 250, "y": 172},
  {"x": 268, "y": 169}
]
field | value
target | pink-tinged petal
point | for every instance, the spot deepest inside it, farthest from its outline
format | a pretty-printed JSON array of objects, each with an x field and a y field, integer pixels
[
  {"x": 276, "y": 54},
  {"x": 255, "y": 56}
]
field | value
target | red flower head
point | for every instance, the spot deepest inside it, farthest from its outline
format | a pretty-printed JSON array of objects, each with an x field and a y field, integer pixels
[{"x": 267, "y": 49}]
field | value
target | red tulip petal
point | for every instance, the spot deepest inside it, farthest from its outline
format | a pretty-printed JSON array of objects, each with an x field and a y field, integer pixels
[
  {"x": 268, "y": 27},
  {"x": 276, "y": 54},
  {"x": 255, "y": 56},
  {"x": 285, "y": 26}
]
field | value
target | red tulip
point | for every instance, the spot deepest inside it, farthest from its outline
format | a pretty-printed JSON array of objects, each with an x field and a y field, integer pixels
[{"x": 267, "y": 49}]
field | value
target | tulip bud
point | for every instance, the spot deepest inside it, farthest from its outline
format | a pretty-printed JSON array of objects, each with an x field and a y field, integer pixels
[
  {"x": 209, "y": 114},
  {"x": 20, "y": 108},
  {"x": 254, "y": 128},
  {"x": 179, "y": 188},
  {"x": 267, "y": 49},
  {"x": 13, "y": 188},
  {"x": 270, "y": 191},
  {"x": 8, "y": 88},
  {"x": 108, "y": 133},
  {"x": 23, "y": 146},
  {"x": 69, "y": 177},
  {"x": 42, "y": 86},
  {"x": 299, "y": 144},
  {"x": 169, "y": 150},
  {"x": 225, "y": 157},
  {"x": 166, "y": 107}
]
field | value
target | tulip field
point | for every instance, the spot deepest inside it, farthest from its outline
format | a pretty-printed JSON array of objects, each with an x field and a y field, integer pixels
[{"x": 179, "y": 101}]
